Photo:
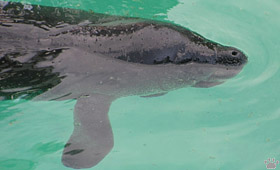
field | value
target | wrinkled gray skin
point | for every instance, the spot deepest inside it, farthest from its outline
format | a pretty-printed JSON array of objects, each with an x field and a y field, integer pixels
[{"x": 64, "y": 54}]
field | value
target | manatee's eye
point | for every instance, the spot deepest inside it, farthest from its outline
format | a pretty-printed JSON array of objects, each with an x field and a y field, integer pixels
[{"x": 234, "y": 52}]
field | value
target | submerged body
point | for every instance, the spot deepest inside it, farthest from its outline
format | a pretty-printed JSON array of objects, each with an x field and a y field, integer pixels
[{"x": 51, "y": 53}]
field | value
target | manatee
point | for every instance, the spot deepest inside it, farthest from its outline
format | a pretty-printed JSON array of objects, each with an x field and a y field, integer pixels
[{"x": 49, "y": 53}]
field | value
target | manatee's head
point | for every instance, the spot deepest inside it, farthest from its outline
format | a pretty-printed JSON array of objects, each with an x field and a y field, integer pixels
[
  {"x": 209, "y": 53},
  {"x": 205, "y": 62},
  {"x": 214, "y": 65}
]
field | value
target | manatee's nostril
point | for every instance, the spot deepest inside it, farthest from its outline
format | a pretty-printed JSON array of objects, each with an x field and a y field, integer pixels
[{"x": 234, "y": 53}]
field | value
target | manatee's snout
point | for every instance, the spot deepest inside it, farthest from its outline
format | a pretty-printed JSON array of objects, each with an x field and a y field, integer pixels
[{"x": 230, "y": 56}]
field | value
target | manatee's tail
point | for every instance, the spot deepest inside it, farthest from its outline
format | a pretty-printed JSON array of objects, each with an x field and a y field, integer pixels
[{"x": 92, "y": 138}]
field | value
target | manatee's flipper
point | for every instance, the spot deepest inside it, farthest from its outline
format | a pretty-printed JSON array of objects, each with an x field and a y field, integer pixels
[{"x": 92, "y": 138}]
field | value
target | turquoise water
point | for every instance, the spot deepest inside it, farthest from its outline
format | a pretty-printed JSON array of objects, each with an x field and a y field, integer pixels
[{"x": 227, "y": 127}]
